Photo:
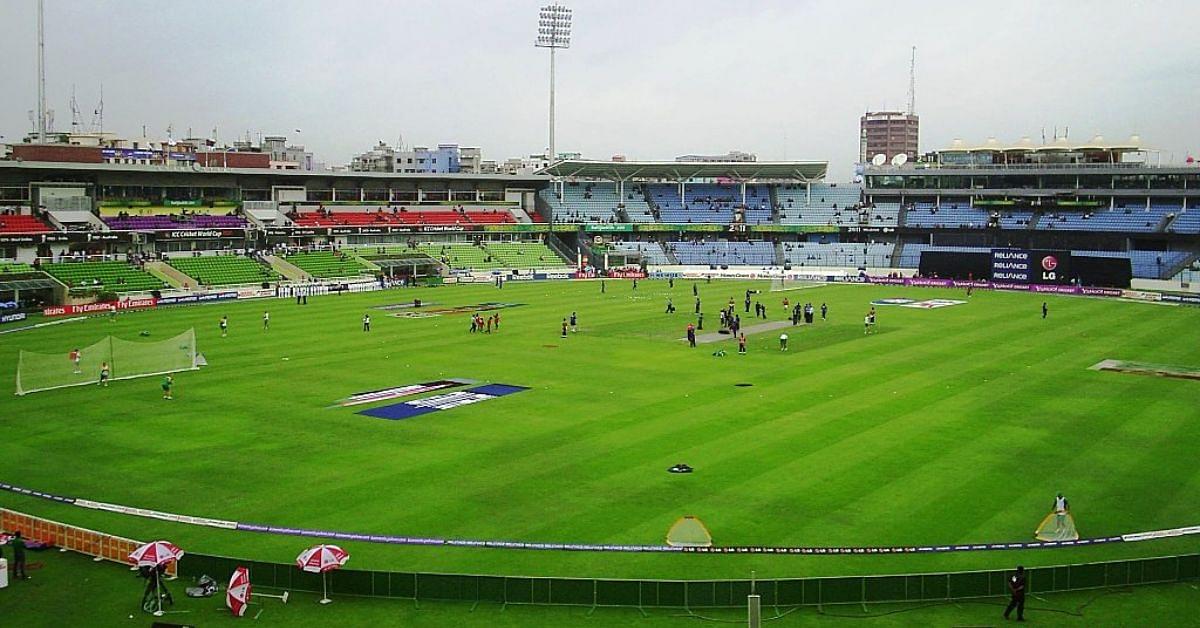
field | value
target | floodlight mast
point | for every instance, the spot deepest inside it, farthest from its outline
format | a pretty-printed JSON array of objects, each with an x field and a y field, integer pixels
[{"x": 554, "y": 31}]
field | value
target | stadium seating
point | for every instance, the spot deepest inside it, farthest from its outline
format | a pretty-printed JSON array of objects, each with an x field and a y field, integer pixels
[
  {"x": 597, "y": 202},
  {"x": 493, "y": 255},
  {"x": 378, "y": 215},
  {"x": 947, "y": 215},
  {"x": 22, "y": 223},
  {"x": 178, "y": 221},
  {"x": 327, "y": 264},
  {"x": 1156, "y": 264},
  {"x": 705, "y": 204},
  {"x": 11, "y": 268},
  {"x": 838, "y": 254},
  {"x": 724, "y": 253},
  {"x": 1186, "y": 222},
  {"x": 223, "y": 270},
  {"x": 112, "y": 276},
  {"x": 827, "y": 205},
  {"x": 651, "y": 252},
  {"x": 1133, "y": 218}
]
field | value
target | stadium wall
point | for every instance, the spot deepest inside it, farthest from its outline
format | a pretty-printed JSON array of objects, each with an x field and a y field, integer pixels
[{"x": 700, "y": 593}]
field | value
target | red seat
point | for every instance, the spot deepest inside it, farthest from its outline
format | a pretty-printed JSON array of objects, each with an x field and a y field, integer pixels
[{"x": 23, "y": 224}]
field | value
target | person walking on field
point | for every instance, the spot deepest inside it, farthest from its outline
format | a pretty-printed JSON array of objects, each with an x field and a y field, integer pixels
[
  {"x": 366, "y": 322},
  {"x": 18, "y": 545},
  {"x": 1016, "y": 588}
]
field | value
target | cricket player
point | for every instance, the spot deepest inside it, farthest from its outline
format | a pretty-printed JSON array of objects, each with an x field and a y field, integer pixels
[
  {"x": 266, "y": 321},
  {"x": 224, "y": 324},
  {"x": 167, "y": 382},
  {"x": 105, "y": 372},
  {"x": 76, "y": 355},
  {"x": 783, "y": 338}
]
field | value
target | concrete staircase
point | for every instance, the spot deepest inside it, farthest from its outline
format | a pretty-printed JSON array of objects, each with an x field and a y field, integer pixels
[
  {"x": 286, "y": 269},
  {"x": 171, "y": 275}
]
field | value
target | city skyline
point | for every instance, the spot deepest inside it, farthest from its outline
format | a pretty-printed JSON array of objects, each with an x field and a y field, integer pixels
[{"x": 782, "y": 80}]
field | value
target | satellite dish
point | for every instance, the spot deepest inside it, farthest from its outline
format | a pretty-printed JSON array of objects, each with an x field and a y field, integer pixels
[
  {"x": 900, "y": 160},
  {"x": 878, "y": 159}
]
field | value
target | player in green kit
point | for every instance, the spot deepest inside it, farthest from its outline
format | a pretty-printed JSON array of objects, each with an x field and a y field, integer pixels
[{"x": 167, "y": 383}]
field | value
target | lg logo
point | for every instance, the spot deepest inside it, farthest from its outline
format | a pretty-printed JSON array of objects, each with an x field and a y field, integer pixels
[{"x": 1049, "y": 263}]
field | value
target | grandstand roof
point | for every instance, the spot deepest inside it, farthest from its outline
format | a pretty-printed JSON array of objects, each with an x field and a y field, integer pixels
[
  {"x": 683, "y": 170},
  {"x": 265, "y": 172}
]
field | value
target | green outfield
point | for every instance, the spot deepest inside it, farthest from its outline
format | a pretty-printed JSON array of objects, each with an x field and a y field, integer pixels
[{"x": 948, "y": 425}]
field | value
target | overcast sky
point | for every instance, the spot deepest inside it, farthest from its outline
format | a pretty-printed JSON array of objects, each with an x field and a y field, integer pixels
[{"x": 650, "y": 80}]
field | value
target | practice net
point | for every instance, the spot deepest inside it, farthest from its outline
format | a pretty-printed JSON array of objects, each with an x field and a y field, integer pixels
[
  {"x": 126, "y": 359},
  {"x": 784, "y": 283}
]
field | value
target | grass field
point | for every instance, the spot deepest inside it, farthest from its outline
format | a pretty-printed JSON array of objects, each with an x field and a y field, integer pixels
[{"x": 950, "y": 425}]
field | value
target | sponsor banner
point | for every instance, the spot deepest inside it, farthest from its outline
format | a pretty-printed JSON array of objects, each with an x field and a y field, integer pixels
[
  {"x": 1100, "y": 292},
  {"x": 626, "y": 273},
  {"x": 893, "y": 301},
  {"x": 299, "y": 232},
  {"x": 398, "y": 392},
  {"x": 447, "y": 401},
  {"x": 157, "y": 514},
  {"x": 608, "y": 228},
  {"x": 1188, "y": 299},
  {"x": 106, "y": 306},
  {"x": 585, "y": 274},
  {"x": 1141, "y": 295},
  {"x": 255, "y": 293},
  {"x": 592, "y": 547},
  {"x": 12, "y": 318},
  {"x": 1011, "y": 265},
  {"x": 205, "y": 297},
  {"x": 198, "y": 234}
]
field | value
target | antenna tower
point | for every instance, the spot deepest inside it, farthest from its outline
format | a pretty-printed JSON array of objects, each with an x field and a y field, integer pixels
[{"x": 912, "y": 82}]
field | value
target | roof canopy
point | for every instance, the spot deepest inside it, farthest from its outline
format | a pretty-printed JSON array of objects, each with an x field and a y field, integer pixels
[
  {"x": 684, "y": 170},
  {"x": 1062, "y": 144}
]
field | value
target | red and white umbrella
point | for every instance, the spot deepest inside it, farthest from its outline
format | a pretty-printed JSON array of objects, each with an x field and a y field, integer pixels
[
  {"x": 237, "y": 596},
  {"x": 322, "y": 559},
  {"x": 155, "y": 553}
]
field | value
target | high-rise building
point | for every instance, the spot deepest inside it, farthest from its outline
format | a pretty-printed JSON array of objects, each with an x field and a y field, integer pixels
[{"x": 890, "y": 133}]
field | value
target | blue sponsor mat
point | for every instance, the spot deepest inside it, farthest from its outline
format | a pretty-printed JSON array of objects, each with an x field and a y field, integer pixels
[
  {"x": 397, "y": 411},
  {"x": 498, "y": 390},
  {"x": 445, "y": 401}
]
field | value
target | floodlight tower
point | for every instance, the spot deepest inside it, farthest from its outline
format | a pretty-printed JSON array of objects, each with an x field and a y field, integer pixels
[
  {"x": 554, "y": 32},
  {"x": 41, "y": 63}
]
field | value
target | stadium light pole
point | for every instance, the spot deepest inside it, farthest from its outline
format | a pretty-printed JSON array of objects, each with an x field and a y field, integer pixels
[{"x": 554, "y": 32}]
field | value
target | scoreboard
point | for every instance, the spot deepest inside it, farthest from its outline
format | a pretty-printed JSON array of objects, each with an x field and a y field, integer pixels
[{"x": 1031, "y": 266}]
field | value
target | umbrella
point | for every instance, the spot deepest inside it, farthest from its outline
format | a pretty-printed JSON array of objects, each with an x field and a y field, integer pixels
[
  {"x": 155, "y": 553},
  {"x": 322, "y": 559},
  {"x": 237, "y": 596}
]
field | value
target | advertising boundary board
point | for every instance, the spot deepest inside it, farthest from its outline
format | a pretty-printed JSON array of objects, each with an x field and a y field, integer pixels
[{"x": 1131, "y": 537}]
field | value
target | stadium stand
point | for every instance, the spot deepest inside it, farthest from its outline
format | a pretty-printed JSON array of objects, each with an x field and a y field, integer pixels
[
  {"x": 705, "y": 203},
  {"x": 493, "y": 255},
  {"x": 1186, "y": 222},
  {"x": 22, "y": 223},
  {"x": 175, "y": 221},
  {"x": 1127, "y": 219},
  {"x": 597, "y": 202},
  {"x": 947, "y": 215},
  {"x": 828, "y": 204},
  {"x": 724, "y": 253},
  {"x": 524, "y": 255},
  {"x": 379, "y": 215},
  {"x": 12, "y": 268},
  {"x": 327, "y": 264},
  {"x": 113, "y": 276},
  {"x": 223, "y": 270},
  {"x": 651, "y": 252},
  {"x": 847, "y": 254}
]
